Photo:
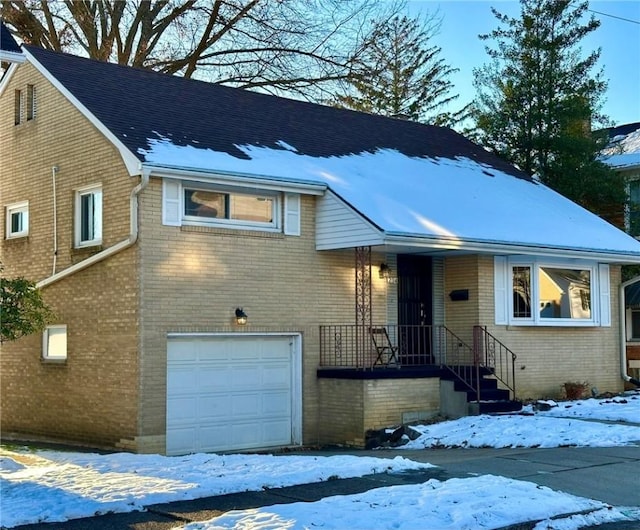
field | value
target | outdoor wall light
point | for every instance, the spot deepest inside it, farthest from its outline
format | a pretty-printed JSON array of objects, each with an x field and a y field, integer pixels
[
  {"x": 241, "y": 317},
  {"x": 384, "y": 272}
]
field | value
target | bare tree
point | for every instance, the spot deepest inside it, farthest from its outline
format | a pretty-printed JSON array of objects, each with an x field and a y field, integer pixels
[{"x": 277, "y": 45}]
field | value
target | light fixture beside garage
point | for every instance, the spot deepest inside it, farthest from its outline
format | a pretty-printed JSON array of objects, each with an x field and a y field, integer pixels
[{"x": 241, "y": 317}]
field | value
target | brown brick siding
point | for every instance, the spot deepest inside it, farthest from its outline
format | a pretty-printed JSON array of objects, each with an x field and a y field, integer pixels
[
  {"x": 92, "y": 398},
  {"x": 352, "y": 407},
  {"x": 547, "y": 356}
]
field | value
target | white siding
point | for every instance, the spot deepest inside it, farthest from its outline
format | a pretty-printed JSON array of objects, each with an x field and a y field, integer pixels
[{"x": 340, "y": 226}]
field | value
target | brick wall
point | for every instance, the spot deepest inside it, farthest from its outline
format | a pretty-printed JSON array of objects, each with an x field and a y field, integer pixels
[
  {"x": 547, "y": 356},
  {"x": 193, "y": 279},
  {"x": 92, "y": 398},
  {"x": 352, "y": 407}
]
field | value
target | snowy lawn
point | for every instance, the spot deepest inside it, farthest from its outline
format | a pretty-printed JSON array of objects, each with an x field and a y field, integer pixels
[
  {"x": 47, "y": 486},
  {"x": 563, "y": 425}
]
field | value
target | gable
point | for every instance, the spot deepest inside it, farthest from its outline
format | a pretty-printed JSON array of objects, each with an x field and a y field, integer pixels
[{"x": 411, "y": 181}]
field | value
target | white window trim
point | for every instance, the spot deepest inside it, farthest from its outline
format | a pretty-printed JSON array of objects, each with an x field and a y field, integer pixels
[
  {"x": 78, "y": 216},
  {"x": 17, "y": 207},
  {"x": 60, "y": 345},
  {"x": 192, "y": 220},
  {"x": 600, "y": 293},
  {"x": 286, "y": 215}
]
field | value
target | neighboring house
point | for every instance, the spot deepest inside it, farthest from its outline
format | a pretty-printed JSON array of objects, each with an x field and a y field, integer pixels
[
  {"x": 232, "y": 270},
  {"x": 623, "y": 154}
]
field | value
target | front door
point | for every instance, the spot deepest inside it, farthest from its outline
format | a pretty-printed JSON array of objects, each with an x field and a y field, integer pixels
[{"x": 415, "y": 309}]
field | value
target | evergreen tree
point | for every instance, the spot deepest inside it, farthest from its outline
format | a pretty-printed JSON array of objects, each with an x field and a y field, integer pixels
[
  {"x": 538, "y": 98},
  {"x": 401, "y": 73}
]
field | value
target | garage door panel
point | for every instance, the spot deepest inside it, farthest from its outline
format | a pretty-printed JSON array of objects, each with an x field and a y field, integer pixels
[
  {"x": 181, "y": 441},
  {"x": 181, "y": 350},
  {"x": 245, "y": 377},
  {"x": 213, "y": 378},
  {"x": 183, "y": 410},
  {"x": 279, "y": 403},
  {"x": 214, "y": 407},
  {"x": 180, "y": 379},
  {"x": 276, "y": 376},
  {"x": 272, "y": 432}
]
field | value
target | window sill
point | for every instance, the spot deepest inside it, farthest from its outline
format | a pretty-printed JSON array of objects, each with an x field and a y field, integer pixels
[
  {"x": 52, "y": 361},
  {"x": 235, "y": 231}
]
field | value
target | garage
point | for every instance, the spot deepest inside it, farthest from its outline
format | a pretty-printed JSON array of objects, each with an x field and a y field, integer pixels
[{"x": 229, "y": 392}]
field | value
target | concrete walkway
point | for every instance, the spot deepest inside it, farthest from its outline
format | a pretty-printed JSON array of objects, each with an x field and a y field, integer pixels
[{"x": 606, "y": 474}]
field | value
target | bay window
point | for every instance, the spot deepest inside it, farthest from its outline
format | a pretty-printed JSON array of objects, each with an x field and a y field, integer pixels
[{"x": 551, "y": 293}]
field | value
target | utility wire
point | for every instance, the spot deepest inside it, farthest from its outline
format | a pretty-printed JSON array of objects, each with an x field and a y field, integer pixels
[{"x": 614, "y": 16}]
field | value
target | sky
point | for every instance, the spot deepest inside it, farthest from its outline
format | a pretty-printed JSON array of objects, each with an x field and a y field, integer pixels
[
  {"x": 464, "y": 20},
  {"x": 49, "y": 486}
]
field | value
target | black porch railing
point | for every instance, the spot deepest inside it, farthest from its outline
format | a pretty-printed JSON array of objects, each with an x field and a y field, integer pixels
[
  {"x": 352, "y": 346},
  {"x": 494, "y": 355},
  {"x": 357, "y": 346}
]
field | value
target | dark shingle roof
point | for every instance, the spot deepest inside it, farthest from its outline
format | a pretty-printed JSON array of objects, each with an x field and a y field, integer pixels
[
  {"x": 622, "y": 130},
  {"x": 7, "y": 42},
  {"x": 137, "y": 105}
]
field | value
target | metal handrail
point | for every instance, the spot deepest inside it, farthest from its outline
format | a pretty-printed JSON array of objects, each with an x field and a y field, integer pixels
[{"x": 494, "y": 355}]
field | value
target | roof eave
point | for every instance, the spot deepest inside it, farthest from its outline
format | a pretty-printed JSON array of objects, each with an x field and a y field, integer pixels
[
  {"x": 12, "y": 57},
  {"x": 130, "y": 160},
  {"x": 509, "y": 248},
  {"x": 214, "y": 176}
]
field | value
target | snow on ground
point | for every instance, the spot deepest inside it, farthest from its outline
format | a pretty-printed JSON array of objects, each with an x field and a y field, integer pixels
[{"x": 47, "y": 486}]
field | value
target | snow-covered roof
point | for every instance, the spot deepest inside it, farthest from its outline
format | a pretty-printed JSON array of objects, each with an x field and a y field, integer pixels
[
  {"x": 623, "y": 151},
  {"x": 412, "y": 181}
]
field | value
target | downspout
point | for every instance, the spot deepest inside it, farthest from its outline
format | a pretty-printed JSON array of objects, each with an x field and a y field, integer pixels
[
  {"x": 122, "y": 245},
  {"x": 623, "y": 333},
  {"x": 54, "y": 173}
]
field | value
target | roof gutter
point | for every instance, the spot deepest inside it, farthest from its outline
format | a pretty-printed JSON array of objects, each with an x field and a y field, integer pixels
[
  {"x": 505, "y": 248},
  {"x": 623, "y": 332},
  {"x": 118, "y": 247}
]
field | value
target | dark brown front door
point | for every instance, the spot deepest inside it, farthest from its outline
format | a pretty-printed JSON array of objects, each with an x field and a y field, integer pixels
[{"x": 415, "y": 309}]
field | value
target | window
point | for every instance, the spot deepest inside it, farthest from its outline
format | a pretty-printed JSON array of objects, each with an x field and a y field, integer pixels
[
  {"x": 551, "y": 294},
  {"x": 17, "y": 220},
  {"x": 633, "y": 330},
  {"x": 54, "y": 342},
  {"x": 199, "y": 204},
  {"x": 633, "y": 208},
  {"x": 31, "y": 102},
  {"x": 17, "y": 112},
  {"x": 88, "y": 216},
  {"x": 230, "y": 207}
]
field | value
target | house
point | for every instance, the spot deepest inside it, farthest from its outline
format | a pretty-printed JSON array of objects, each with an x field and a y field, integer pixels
[
  {"x": 235, "y": 271},
  {"x": 623, "y": 154}
]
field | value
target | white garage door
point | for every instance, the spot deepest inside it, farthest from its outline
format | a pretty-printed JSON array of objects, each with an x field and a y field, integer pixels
[{"x": 231, "y": 392}]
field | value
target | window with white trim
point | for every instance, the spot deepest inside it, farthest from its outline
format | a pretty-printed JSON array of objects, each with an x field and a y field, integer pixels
[
  {"x": 17, "y": 220},
  {"x": 88, "y": 216},
  {"x": 54, "y": 342},
  {"x": 533, "y": 292}
]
